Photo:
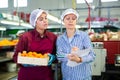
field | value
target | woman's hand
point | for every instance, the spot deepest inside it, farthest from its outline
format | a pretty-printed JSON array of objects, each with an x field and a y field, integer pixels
[{"x": 74, "y": 57}]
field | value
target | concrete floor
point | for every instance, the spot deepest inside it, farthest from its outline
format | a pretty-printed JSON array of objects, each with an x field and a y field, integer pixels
[{"x": 7, "y": 75}]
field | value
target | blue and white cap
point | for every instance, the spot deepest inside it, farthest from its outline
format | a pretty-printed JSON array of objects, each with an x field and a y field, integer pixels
[
  {"x": 34, "y": 15},
  {"x": 69, "y": 11}
]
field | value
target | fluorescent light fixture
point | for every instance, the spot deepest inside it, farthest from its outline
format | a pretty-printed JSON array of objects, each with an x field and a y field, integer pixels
[
  {"x": 2, "y": 28},
  {"x": 26, "y": 25},
  {"x": 55, "y": 19},
  {"x": 78, "y": 26},
  {"x": 83, "y": 1},
  {"x": 9, "y": 22},
  {"x": 108, "y": 0}
]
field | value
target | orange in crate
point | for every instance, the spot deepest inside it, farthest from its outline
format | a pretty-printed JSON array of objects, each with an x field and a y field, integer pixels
[
  {"x": 33, "y": 58},
  {"x": 34, "y": 54}
]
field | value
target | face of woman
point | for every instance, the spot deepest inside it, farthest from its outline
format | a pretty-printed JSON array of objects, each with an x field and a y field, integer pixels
[
  {"x": 70, "y": 21},
  {"x": 42, "y": 22}
]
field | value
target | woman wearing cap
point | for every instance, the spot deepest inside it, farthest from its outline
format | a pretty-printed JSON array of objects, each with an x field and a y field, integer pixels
[
  {"x": 73, "y": 40},
  {"x": 37, "y": 40}
]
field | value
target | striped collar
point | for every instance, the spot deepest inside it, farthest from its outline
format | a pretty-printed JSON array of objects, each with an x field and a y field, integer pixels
[{"x": 77, "y": 33}]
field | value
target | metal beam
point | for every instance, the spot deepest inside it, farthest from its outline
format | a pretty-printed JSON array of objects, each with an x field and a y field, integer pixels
[{"x": 99, "y": 7}]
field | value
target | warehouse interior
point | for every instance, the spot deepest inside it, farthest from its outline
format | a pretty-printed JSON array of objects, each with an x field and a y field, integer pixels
[{"x": 99, "y": 18}]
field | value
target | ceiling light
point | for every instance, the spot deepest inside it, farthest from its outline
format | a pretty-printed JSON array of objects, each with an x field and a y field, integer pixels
[
  {"x": 2, "y": 28},
  {"x": 53, "y": 18},
  {"x": 9, "y": 22}
]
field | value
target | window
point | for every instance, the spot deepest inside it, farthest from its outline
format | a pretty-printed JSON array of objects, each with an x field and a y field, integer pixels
[
  {"x": 3, "y": 3},
  {"x": 20, "y": 3},
  {"x": 108, "y": 0},
  {"x": 83, "y": 1}
]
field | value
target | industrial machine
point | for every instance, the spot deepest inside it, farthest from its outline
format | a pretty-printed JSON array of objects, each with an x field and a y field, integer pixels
[
  {"x": 98, "y": 66},
  {"x": 117, "y": 60}
]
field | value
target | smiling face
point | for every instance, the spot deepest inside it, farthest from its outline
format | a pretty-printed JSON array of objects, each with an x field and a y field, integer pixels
[
  {"x": 70, "y": 21},
  {"x": 42, "y": 22}
]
